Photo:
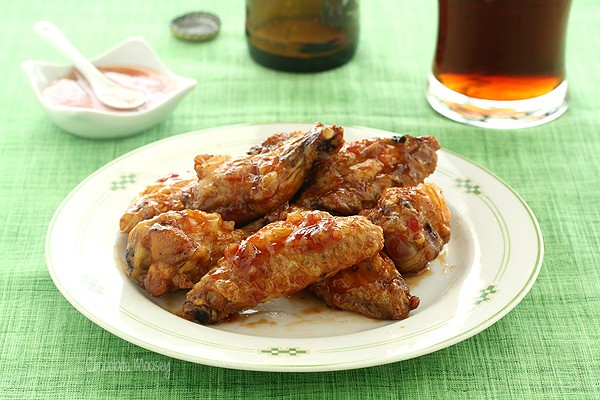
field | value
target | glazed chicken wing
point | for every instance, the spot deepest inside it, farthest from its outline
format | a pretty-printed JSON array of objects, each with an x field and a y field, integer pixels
[
  {"x": 373, "y": 288},
  {"x": 280, "y": 259},
  {"x": 175, "y": 249},
  {"x": 354, "y": 178},
  {"x": 165, "y": 194},
  {"x": 245, "y": 188},
  {"x": 416, "y": 225}
]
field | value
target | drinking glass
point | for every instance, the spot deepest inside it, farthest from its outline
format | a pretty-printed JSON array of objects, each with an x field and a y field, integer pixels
[{"x": 500, "y": 63}]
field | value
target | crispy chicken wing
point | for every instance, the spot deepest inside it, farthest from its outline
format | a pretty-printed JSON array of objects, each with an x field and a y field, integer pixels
[
  {"x": 175, "y": 249},
  {"x": 416, "y": 225},
  {"x": 165, "y": 194},
  {"x": 280, "y": 259},
  {"x": 373, "y": 288},
  {"x": 355, "y": 177},
  {"x": 245, "y": 188}
]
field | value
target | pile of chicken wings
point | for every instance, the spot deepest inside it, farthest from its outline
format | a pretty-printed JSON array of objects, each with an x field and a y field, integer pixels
[{"x": 302, "y": 210}]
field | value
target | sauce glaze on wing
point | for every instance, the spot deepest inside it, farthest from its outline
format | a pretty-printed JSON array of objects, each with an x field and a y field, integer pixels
[
  {"x": 354, "y": 178},
  {"x": 416, "y": 225},
  {"x": 373, "y": 288},
  {"x": 175, "y": 249},
  {"x": 248, "y": 187},
  {"x": 281, "y": 258}
]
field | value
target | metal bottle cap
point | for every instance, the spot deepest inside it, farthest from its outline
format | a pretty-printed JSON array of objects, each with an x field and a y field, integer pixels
[{"x": 196, "y": 26}]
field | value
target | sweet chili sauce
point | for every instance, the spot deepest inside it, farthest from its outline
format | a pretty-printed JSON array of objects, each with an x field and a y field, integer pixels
[{"x": 73, "y": 90}]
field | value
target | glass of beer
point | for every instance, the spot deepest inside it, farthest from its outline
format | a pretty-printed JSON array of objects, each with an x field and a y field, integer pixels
[{"x": 500, "y": 63}]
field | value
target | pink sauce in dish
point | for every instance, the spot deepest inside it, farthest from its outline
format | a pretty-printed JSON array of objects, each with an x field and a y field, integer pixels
[{"x": 73, "y": 90}]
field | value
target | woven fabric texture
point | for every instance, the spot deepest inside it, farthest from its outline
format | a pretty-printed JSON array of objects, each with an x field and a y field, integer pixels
[{"x": 548, "y": 347}]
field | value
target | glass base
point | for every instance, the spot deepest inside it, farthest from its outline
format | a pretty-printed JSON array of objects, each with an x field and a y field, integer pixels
[{"x": 497, "y": 114}]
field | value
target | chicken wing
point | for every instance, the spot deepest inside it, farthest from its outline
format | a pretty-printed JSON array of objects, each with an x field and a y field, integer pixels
[
  {"x": 165, "y": 194},
  {"x": 373, "y": 288},
  {"x": 175, "y": 249},
  {"x": 245, "y": 188},
  {"x": 280, "y": 259},
  {"x": 355, "y": 177},
  {"x": 416, "y": 225}
]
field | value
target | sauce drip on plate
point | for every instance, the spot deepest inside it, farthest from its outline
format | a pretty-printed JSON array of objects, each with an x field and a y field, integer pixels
[{"x": 73, "y": 90}]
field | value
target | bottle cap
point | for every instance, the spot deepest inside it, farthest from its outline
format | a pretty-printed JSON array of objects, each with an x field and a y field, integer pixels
[{"x": 196, "y": 26}]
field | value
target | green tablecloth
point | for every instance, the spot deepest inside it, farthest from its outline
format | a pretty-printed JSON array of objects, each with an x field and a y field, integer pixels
[{"x": 547, "y": 347}]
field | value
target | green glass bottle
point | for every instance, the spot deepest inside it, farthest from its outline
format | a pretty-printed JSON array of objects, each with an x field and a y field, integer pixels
[{"x": 302, "y": 35}]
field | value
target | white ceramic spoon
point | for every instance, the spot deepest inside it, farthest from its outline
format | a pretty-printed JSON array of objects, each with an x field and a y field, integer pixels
[{"x": 108, "y": 92}]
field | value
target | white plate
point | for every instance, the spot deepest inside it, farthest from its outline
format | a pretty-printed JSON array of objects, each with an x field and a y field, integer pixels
[{"x": 488, "y": 266}]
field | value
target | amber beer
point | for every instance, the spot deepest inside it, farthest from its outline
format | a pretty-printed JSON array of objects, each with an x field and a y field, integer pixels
[
  {"x": 500, "y": 63},
  {"x": 501, "y": 49}
]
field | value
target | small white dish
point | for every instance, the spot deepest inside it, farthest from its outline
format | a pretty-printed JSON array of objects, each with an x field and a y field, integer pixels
[{"x": 107, "y": 124}]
